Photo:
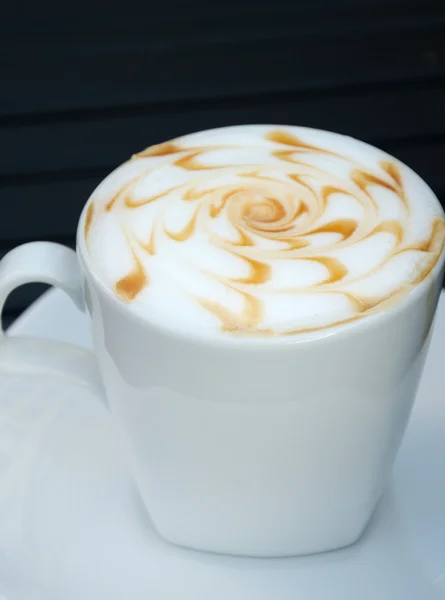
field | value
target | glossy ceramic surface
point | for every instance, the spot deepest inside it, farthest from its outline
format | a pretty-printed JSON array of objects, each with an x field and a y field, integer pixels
[{"x": 83, "y": 532}]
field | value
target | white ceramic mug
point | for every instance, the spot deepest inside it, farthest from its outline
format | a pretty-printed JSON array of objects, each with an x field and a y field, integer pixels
[{"x": 249, "y": 447}]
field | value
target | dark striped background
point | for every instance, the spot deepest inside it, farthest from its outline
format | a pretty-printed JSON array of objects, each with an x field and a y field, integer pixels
[{"x": 83, "y": 87}]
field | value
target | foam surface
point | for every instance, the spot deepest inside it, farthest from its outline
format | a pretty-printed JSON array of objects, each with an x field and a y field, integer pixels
[{"x": 262, "y": 231}]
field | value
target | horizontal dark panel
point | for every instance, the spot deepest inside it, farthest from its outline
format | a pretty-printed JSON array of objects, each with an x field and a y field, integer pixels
[
  {"x": 201, "y": 23},
  {"x": 43, "y": 210},
  {"x": 103, "y": 143},
  {"x": 50, "y": 208},
  {"x": 133, "y": 16},
  {"x": 48, "y": 71}
]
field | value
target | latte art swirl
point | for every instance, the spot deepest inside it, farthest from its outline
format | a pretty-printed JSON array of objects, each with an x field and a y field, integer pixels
[{"x": 263, "y": 231}]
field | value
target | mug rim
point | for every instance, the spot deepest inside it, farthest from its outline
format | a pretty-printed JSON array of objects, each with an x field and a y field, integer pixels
[{"x": 252, "y": 342}]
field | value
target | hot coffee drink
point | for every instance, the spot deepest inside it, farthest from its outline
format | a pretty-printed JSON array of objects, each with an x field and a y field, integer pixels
[
  {"x": 262, "y": 231},
  {"x": 215, "y": 269}
]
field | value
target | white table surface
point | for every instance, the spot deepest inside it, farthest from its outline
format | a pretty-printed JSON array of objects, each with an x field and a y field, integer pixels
[{"x": 91, "y": 539}]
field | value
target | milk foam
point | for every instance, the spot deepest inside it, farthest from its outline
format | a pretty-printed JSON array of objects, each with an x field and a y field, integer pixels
[{"x": 262, "y": 231}]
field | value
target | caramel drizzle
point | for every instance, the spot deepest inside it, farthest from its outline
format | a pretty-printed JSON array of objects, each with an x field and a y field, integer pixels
[
  {"x": 394, "y": 172},
  {"x": 337, "y": 270},
  {"x": 192, "y": 194},
  {"x": 280, "y": 136},
  {"x": 186, "y": 233},
  {"x": 269, "y": 212},
  {"x": 368, "y": 305},
  {"x": 259, "y": 273},
  {"x": 392, "y": 227},
  {"x": 270, "y": 218},
  {"x": 245, "y": 323},
  {"x": 190, "y": 163},
  {"x": 119, "y": 194},
  {"x": 295, "y": 244},
  {"x": 216, "y": 209},
  {"x": 302, "y": 210},
  {"x": 150, "y": 246},
  {"x": 288, "y": 156},
  {"x": 133, "y": 283},
  {"x": 344, "y": 227},
  {"x": 434, "y": 246},
  {"x": 89, "y": 219},
  {"x": 329, "y": 190},
  {"x": 131, "y": 203},
  {"x": 364, "y": 179},
  {"x": 164, "y": 149},
  {"x": 244, "y": 239}
]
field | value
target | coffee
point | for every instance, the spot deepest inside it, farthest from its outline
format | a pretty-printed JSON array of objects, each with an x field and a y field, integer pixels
[
  {"x": 262, "y": 231},
  {"x": 199, "y": 260}
]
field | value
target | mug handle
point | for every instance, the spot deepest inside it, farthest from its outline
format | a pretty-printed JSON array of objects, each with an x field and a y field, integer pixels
[
  {"x": 57, "y": 265},
  {"x": 43, "y": 262}
]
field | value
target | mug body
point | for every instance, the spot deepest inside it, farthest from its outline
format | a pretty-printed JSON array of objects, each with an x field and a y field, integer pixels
[{"x": 261, "y": 448}]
